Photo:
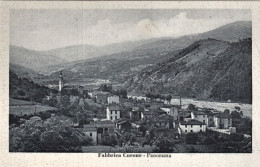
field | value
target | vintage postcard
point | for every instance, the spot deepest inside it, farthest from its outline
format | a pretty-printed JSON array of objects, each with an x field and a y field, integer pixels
[{"x": 130, "y": 82}]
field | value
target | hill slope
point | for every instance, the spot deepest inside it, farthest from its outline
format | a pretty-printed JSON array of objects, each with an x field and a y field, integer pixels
[
  {"x": 24, "y": 72},
  {"x": 31, "y": 59},
  {"x": 24, "y": 89},
  {"x": 207, "y": 69}
]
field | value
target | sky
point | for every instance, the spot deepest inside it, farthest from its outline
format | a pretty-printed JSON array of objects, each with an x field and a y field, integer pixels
[{"x": 46, "y": 29}]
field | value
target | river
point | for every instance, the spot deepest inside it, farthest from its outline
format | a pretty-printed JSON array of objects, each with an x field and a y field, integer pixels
[{"x": 220, "y": 106}]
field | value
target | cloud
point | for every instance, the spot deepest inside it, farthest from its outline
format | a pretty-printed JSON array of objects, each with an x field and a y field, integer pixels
[
  {"x": 68, "y": 32},
  {"x": 105, "y": 32}
]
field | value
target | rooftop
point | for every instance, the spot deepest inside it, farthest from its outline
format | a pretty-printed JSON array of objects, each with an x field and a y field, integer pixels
[
  {"x": 114, "y": 108},
  {"x": 121, "y": 121},
  {"x": 160, "y": 118},
  {"x": 199, "y": 113},
  {"x": 89, "y": 128},
  {"x": 192, "y": 122}
]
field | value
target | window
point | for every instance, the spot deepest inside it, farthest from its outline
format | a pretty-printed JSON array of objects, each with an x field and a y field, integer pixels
[
  {"x": 203, "y": 121},
  {"x": 191, "y": 126},
  {"x": 111, "y": 118},
  {"x": 200, "y": 125},
  {"x": 90, "y": 134},
  {"x": 115, "y": 112},
  {"x": 195, "y": 116},
  {"x": 115, "y": 117},
  {"x": 191, "y": 131},
  {"x": 185, "y": 126},
  {"x": 203, "y": 116},
  {"x": 185, "y": 131},
  {"x": 111, "y": 112},
  {"x": 200, "y": 130}
]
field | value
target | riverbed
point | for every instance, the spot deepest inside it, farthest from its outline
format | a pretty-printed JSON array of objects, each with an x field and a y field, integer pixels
[{"x": 220, "y": 106}]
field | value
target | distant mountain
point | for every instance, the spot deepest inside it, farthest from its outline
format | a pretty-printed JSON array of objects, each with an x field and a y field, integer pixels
[
  {"x": 207, "y": 69},
  {"x": 31, "y": 59},
  {"x": 230, "y": 32},
  {"x": 81, "y": 52}
]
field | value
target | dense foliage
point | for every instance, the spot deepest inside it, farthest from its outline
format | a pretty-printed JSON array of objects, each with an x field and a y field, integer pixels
[
  {"x": 25, "y": 89},
  {"x": 50, "y": 136}
]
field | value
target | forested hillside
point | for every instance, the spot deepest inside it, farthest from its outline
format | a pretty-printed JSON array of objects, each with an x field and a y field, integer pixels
[{"x": 207, "y": 69}]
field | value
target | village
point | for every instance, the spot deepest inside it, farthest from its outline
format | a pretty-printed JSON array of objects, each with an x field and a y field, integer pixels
[{"x": 116, "y": 121}]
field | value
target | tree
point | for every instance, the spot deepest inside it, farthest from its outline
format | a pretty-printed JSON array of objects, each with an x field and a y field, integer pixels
[
  {"x": 168, "y": 98},
  {"x": 226, "y": 111},
  {"x": 235, "y": 114},
  {"x": 237, "y": 108},
  {"x": 54, "y": 134},
  {"x": 37, "y": 95},
  {"x": 164, "y": 145},
  {"x": 191, "y": 107},
  {"x": 142, "y": 129},
  {"x": 65, "y": 101},
  {"x": 192, "y": 150},
  {"x": 191, "y": 138},
  {"x": 236, "y": 137}
]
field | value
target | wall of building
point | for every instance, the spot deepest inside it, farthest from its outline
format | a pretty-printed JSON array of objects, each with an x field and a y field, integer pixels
[
  {"x": 201, "y": 118},
  {"x": 113, "y": 99},
  {"x": 210, "y": 121},
  {"x": 192, "y": 128},
  {"x": 93, "y": 136},
  {"x": 112, "y": 115},
  {"x": 222, "y": 123}
]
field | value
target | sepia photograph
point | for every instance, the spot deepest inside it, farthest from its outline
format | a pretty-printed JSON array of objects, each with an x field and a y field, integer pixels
[{"x": 130, "y": 81}]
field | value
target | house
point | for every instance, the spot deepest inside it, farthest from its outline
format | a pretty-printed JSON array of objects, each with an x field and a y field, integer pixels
[
  {"x": 113, "y": 100},
  {"x": 184, "y": 116},
  {"x": 101, "y": 97},
  {"x": 146, "y": 114},
  {"x": 122, "y": 124},
  {"x": 113, "y": 112},
  {"x": 222, "y": 121},
  {"x": 161, "y": 121},
  {"x": 200, "y": 116},
  {"x": 138, "y": 124},
  {"x": 172, "y": 111},
  {"x": 135, "y": 113},
  {"x": 91, "y": 131},
  {"x": 210, "y": 120},
  {"x": 97, "y": 129},
  {"x": 191, "y": 126}
]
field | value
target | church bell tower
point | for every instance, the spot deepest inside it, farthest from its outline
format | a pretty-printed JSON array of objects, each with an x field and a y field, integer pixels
[{"x": 61, "y": 82}]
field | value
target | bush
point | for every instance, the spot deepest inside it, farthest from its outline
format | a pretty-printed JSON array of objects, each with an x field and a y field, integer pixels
[
  {"x": 21, "y": 93},
  {"x": 192, "y": 150},
  {"x": 236, "y": 137},
  {"x": 191, "y": 138},
  {"x": 209, "y": 141},
  {"x": 163, "y": 145}
]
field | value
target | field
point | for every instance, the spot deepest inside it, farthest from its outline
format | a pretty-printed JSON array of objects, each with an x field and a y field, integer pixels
[
  {"x": 16, "y": 102},
  {"x": 20, "y": 107}
]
